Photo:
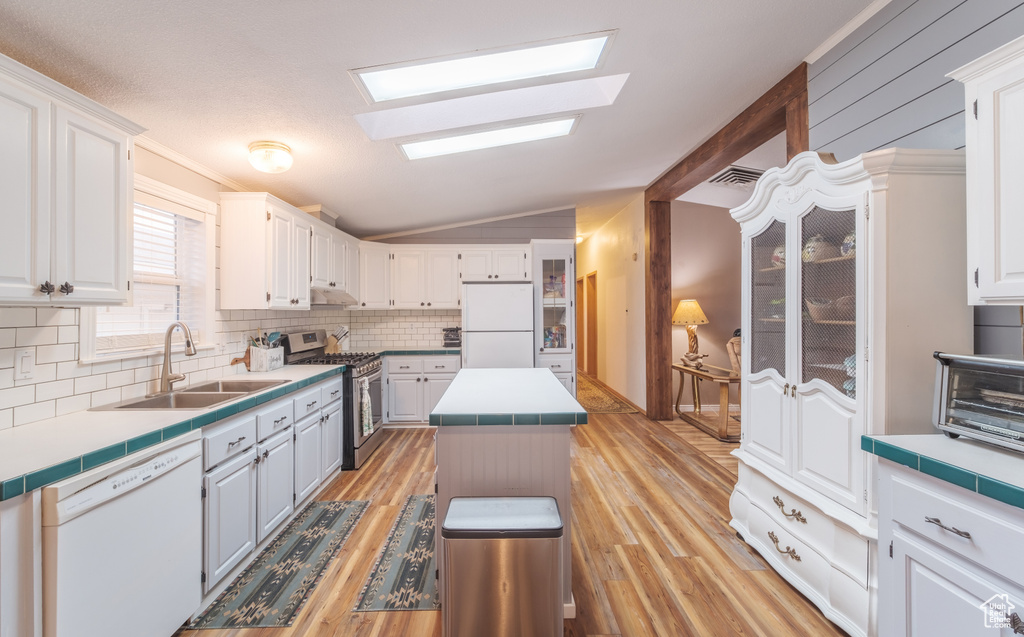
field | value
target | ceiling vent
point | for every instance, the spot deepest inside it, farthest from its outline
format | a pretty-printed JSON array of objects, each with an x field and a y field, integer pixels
[{"x": 737, "y": 177}]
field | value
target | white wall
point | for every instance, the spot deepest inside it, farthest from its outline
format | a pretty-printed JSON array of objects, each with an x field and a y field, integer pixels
[{"x": 616, "y": 253}]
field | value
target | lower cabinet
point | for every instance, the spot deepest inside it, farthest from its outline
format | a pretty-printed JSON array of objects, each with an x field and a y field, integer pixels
[
  {"x": 275, "y": 470},
  {"x": 229, "y": 511},
  {"x": 307, "y": 456},
  {"x": 947, "y": 562},
  {"x": 330, "y": 439},
  {"x": 415, "y": 384}
]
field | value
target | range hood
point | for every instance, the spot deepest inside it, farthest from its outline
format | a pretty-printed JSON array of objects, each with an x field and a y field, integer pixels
[{"x": 331, "y": 296}]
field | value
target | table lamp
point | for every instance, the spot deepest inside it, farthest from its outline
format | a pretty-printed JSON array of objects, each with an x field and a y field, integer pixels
[{"x": 688, "y": 313}]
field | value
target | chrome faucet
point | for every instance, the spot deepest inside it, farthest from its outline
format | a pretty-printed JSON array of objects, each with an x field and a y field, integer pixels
[{"x": 166, "y": 377}]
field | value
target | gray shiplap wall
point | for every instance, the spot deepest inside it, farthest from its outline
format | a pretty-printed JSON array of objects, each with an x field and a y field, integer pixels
[
  {"x": 885, "y": 85},
  {"x": 560, "y": 224}
]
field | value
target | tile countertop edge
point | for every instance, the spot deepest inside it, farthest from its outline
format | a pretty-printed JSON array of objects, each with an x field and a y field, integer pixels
[
  {"x": 420, "y": 352},
  {"x": 94, "y": 457},
  {"x": 938, "y": 456}
]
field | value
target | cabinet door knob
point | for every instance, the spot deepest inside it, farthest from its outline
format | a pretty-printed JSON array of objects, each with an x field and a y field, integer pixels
[
  {"x": 422, "y": 303},
  {"x": 67, "y": 288},
  {"x": 266, "y": 454},
  {"x": 47, "y": 288},
  {"x": 495, "y": 276},
  {"x": 364, "y": 304},
  {"x": 418, "y": 379},
  {"x": 428, "y": 304},
  {"x": 489, "y": 276}
]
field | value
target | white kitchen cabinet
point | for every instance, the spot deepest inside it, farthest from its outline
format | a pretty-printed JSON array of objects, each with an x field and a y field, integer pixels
[
  {"x": 307, "y": 456},
  {"x": 994, "y": 92},
  {"x": 414, "y": 384},
  {"x": 408, "y": 273},
  {"x": 554, "y": 307},
  {"x": 934, "y": 581},
  {"x": 497, "y": 263},
  {"x": 265, "y": 253},
  {"x": 321, "y": 258},
  {"x": 352, "y": 268},
  {"x": 330, "y": 440},
  {"x": 229, "y": 511},
  {"x": 424, "y": 278},
  {"x": 845, "y": 296},
  {"x": 66, "y": 175},
  {"x": 374, "y": 276},
  {"x": 275, "y": 470}
]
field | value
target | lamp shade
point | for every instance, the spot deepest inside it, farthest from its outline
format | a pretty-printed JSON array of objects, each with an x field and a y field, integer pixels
[
  {"x": 270, "y": 157},
  {"x": 688, "y": 312}
]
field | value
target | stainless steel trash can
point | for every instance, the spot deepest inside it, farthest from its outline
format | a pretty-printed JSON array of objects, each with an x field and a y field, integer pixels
[{"x": 503, "y": 568}]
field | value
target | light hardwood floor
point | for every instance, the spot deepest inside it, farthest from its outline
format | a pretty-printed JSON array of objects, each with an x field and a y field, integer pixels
[{"x": 653, "y": 553}]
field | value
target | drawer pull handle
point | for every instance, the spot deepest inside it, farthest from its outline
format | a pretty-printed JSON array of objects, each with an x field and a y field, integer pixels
[
  {"x": 789, "y": 551},
  {"x": 796, "y": 515},
  {"x": 403, "y": 367},
  {"x": 311, "y": 405},
  {"x": 952, "y": 529},
  {"x": 1016, "y": 624},
  {"x": 280, "y": 420},
  {"x": 438, "y": 366},
  {"x": 335, "y": 393},
  {"x": 232, "y": 444}
]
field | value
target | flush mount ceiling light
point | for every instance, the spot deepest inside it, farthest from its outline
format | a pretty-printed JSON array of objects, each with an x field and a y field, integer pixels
[
  {"x": 396, "y": 81},
  {"x": 270, "y": 157},
  {"x": 490, "y": 138}
]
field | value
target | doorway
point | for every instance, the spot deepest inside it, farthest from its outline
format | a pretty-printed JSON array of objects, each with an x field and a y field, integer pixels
[
  {"x": 581, "y": 348},
  {"x": 591, "y": 318}
]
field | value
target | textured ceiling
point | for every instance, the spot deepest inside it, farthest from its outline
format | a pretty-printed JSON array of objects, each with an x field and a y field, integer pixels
[{"x": 207, "y": 78}]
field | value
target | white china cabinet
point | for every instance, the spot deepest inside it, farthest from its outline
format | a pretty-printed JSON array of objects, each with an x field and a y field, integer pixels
[
  {"x": 555, "y": 309},
  {"x": 846, "y": 293}
]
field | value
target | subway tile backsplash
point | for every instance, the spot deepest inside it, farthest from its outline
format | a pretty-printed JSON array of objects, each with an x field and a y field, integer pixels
[{"x": 61, "y": 385}]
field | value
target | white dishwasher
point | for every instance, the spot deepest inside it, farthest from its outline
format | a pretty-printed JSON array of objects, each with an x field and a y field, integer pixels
[{"x": 122, "y": 545}]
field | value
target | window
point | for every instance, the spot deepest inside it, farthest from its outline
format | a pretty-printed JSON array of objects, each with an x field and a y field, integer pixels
[{"x": 173, "y": 236}]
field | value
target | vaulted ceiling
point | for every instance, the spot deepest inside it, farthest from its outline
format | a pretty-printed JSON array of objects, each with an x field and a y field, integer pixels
[{"x": 207, "y": 78}]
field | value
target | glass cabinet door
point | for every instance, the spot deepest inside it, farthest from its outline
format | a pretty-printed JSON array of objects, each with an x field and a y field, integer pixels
[
  {"x": 828, "y": 303},
  {"x": 768, "y": 300},
  {"x": 555, "y": 277}
]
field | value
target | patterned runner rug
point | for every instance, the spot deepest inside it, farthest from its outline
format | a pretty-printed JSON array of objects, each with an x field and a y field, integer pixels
[
  {"x": 403, "y": 577},
  {"x": 273, "y": 589},
  {"x": 596, "y": 400}
]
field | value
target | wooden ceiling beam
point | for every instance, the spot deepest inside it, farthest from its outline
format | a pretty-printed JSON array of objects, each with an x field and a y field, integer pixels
[{"x": 782, "y": 108}]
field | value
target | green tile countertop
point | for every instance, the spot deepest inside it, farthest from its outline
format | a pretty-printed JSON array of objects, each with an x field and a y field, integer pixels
[
  {"x": 420, "y": 352},
  {"x": 480, "y": 397},
  {"x": 38, "y": 454},
  {"x": 991, "y": 471}
]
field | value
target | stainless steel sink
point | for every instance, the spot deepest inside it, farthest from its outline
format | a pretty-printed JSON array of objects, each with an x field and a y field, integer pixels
[
  {"x": 243, "y": 386},
  {"x": 175, "y": 400}
]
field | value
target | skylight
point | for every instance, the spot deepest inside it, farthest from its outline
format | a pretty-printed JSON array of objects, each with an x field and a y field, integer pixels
[
  {"x": 489, "y": 139},
  {"x": 398, "y": 81}
]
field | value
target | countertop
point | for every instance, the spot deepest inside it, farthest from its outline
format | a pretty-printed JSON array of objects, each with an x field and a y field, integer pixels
[
  {"x": 986, "y": 469},
  {"x": 43, "y": 452},
  {"x": 507, "y": 397}
]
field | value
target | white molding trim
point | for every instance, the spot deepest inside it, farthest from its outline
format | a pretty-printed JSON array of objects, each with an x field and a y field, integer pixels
[
  {"x": 159, "y": 189},
  {"x": 174, "y": 156},
  {"x": 463, "y": 224},
  {"x": 846, "y": 30}
]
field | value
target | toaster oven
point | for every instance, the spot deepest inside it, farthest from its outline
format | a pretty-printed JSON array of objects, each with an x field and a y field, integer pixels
[{"x": 980, "y": 398}]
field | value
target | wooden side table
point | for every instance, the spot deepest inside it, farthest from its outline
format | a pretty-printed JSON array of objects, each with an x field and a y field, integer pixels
[{"x": 717, "y": 427}]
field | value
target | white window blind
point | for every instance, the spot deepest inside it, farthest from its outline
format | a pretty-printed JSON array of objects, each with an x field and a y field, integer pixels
[{"x": 169, "y": 283}]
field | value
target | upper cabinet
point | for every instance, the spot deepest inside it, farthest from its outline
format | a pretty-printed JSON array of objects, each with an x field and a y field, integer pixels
[
  {"x": 331, "y": 269},
  {"x": 424, "y": 278},
  {"x": 265, "y": 253},
  {"x": 66, "y": 192},
  {"x": 497, "y": 263},
  {"x": 374, "y": 276},
  {"x": 994, "y": 90}
]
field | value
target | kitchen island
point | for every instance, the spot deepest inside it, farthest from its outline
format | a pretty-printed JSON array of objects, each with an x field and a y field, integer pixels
[{"x": 506, "y": 433}]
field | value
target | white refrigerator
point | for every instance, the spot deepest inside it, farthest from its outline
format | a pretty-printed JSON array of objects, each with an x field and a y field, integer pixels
[{"x": 497, "y": 325}]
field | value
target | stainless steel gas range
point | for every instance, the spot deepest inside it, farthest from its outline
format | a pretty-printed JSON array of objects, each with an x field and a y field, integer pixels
[{"x": 359, "y": 438}]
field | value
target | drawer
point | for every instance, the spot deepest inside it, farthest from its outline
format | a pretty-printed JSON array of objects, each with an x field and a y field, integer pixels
[
  {"x": 274, "y": 417},
  {"x": 557, "y": 364},
  {"x": 227, "y": 439},
  {"x": 811, "y": 568},
  {"x": 306, "y": 403},
  {"x": 995, "y": 535},
  {"x": 405, "y": 364},
  {"x": 332, "y": 390},
  {"x": 848, "y": 551},
  {"x": 441, "y": 364}
]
